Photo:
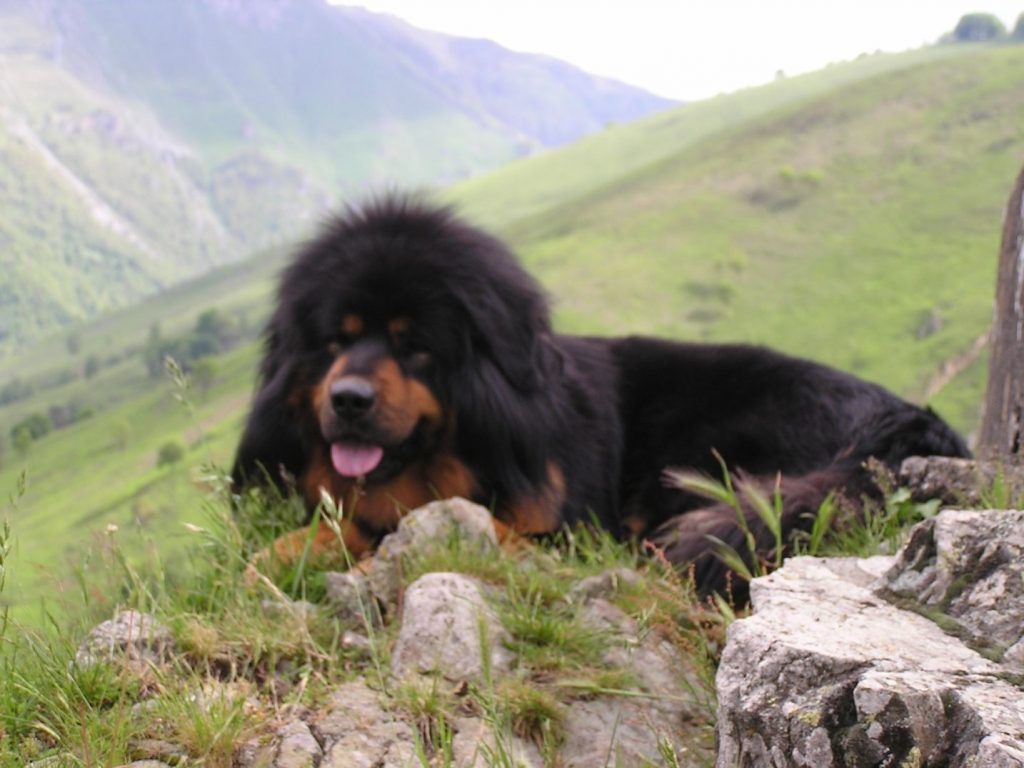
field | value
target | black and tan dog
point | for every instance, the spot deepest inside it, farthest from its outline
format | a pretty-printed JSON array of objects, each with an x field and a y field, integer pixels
[{"x": 411, "y": 357}]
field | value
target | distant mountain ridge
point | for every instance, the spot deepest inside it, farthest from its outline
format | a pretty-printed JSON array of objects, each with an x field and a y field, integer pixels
[{"x": 143, "y": 142}]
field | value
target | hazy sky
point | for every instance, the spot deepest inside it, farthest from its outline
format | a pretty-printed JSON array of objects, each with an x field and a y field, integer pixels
[{"x": 691, "y": 50}]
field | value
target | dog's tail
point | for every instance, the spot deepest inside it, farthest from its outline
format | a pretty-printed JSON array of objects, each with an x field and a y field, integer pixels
[{"x": 689, "y": 540}]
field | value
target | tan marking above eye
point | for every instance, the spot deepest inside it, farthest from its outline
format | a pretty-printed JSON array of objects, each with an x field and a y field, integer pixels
[
  {"x": 352, "y": 325},
  {"x": 398, "y": 329}
]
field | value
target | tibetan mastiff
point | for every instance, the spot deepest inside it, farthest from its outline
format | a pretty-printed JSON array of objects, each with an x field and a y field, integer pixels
[{"x": 410, "y": 358}]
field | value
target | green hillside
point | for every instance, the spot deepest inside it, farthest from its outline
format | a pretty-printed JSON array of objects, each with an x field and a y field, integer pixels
[{"x": 852, "y": 215}]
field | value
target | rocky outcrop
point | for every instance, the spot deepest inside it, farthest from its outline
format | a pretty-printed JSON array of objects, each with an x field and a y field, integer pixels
[
  {"x": 130, "y": 635},
  {"x": 967, "y": 570},
  {"x": 423, "y": 530},
  {"x": 447, "y": 629},
  {"x": 446, "y": 617},
  {"x": 442, "y": 637},
  {"x": 963, "y": 482},
  {"x": 905, "y": 661},
  {"x": 611, "y": 730}
]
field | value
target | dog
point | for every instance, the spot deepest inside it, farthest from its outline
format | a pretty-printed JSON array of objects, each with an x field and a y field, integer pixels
[{"x": 410, "y": 357}]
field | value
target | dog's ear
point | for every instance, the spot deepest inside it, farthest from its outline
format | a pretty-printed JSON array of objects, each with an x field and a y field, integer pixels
[
  {"x": 505, "y": 432},
  {"x": 509, "y": 325},
  {"x": 272, "y": 442},
  {"x": 506, "y": 394}
]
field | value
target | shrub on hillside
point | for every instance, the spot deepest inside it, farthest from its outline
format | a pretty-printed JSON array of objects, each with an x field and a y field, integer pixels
[
  {"x": 22, "y": 440},
  {"x": 1018, "y": 28},
  {"x": 213, "y": 333},
  {"x": 36, "y": 425},
  {"x": 65, "y": 415},
  {"x": 978, "y": 27},
  {"x": 170, "y": 453}
]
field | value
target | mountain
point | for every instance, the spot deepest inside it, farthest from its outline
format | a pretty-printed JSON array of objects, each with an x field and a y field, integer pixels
[{"x": 144, "y": 142}]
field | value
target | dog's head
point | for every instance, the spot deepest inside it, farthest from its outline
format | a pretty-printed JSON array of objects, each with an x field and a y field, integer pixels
[{"x": 400, "y": 333}]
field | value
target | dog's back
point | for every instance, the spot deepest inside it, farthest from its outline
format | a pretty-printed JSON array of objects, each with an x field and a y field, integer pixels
[{"x": 687, "y": 406}]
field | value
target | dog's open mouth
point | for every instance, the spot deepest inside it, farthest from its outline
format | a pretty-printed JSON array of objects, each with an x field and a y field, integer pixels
[{"x": 355, "y": 459}]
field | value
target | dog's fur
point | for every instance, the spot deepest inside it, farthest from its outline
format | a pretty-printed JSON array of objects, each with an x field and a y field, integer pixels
[{"x": 446, "y": 343}]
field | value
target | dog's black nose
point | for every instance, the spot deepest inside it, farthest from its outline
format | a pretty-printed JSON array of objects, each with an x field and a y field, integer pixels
[{"x": 352, "y": 396}]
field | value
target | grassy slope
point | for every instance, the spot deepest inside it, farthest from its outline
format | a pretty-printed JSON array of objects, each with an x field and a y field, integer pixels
[
  {"x": 103, "y": 470},
  {"x": 240, "y": 290},
  {"x": 835, "y": 226},
  {"x": 543, "y": 182},
  {"x": 831, "y": 215}
]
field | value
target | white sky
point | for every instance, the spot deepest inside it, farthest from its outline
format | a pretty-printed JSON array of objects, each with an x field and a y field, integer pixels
[{"x": 691, "y": 50}]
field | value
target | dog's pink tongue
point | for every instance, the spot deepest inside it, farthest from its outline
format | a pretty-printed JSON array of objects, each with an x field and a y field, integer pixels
[{"x": 355, "y": 459}]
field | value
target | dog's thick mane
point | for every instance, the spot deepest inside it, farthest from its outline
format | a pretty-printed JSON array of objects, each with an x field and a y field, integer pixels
[{"x": 510, "y": 407}]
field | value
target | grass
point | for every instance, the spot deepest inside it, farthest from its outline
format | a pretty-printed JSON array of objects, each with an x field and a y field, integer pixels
[
  {"x": 840, "y": 527},
  {"x": 549, "y": 635},
  {"x": 104, "y": 471},
  {"x": 239, "y": 664}
]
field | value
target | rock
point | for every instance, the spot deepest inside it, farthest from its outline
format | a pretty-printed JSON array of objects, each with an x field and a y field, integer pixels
[
  {"x": 348, "y": 593},
  {"x": 131, "y": 635},
  {"x": 441, "y": 630},
  {"x": 353, "y": 641},
  {"x": 626, "y": 730},
  {"x": 54, "y": 761},
  {"x": 604, "y": 584},
  {"x": 968, "y": 566},
  {"x": 961, "y": 481},
  {"x": 296, "y": 747},
  {"x": 421, "y": 530},
  {"x": 474, "y": 740},
  {"x": 357, "y": 731},
  {"x": 826, "y": 672}
]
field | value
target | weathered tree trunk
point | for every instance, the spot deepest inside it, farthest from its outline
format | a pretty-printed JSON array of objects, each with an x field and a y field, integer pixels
[{"x": 1002, "y": 426}]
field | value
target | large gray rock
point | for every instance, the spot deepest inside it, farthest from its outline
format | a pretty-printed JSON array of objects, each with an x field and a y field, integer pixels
[
  {"x": 626, "y": 730},
  {"x": 422, "y": 530},
  {"x": 968, "y": 567},
  {"x": 292, "y": 746},
  {"x": 445, "y": 620},
  {"x": 130, "y": 635},
  {"x": 962, "y": 482},
  {"x": 358, "y": 731},
  {"x": 475, "y": 743},
  {"x": 828, "y": 672},
  {"x": 348, "y": 594}
]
